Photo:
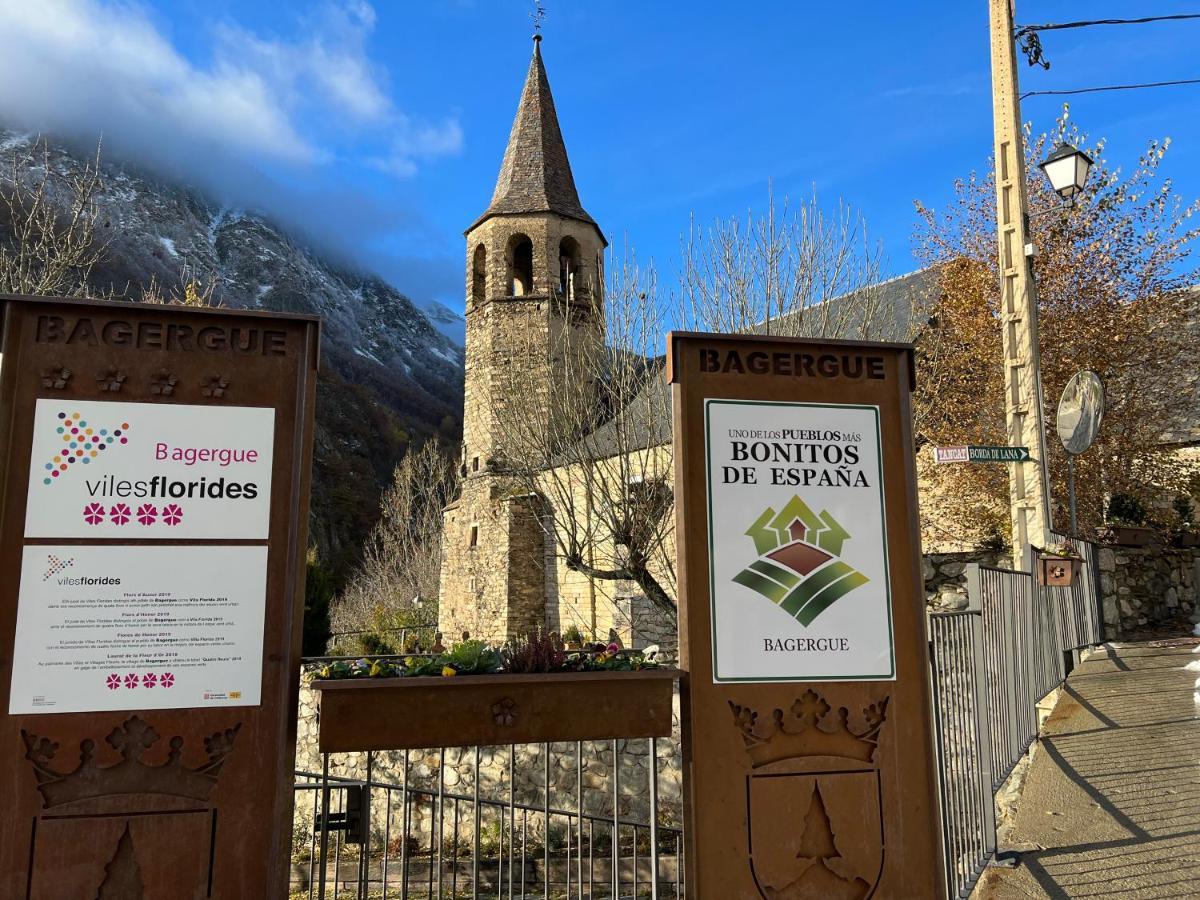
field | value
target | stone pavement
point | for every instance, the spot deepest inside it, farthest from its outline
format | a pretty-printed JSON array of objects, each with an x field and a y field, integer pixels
[{"x": 1111, "y": 804}]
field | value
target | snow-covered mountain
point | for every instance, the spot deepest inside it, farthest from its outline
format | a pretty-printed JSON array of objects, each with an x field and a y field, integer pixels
[
  {"x": 388, "y": 375},
  {"x": 447, "y": 321}
]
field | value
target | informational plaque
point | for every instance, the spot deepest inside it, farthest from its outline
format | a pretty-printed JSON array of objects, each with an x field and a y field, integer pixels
[
  {"x": 808, "y": 743},
  {"x": 154, "y": 478},
  {"x": 799, "y": 582},
  {"x": 109, "y": 628}
]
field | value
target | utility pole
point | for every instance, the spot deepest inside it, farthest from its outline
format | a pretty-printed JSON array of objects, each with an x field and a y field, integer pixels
[{"x": 1028, "y": 482}]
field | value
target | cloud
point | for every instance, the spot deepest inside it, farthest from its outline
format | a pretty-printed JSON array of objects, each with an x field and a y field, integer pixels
[
  {"x": 281, "y": 123},
  {"x": 412, "y": 142},
  {"x": 959, "y": 87},
  {"x": 80, "y": 67}
]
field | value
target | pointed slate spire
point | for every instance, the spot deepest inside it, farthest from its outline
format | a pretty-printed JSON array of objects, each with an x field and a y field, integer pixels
[{"x": 535, "y": 175}]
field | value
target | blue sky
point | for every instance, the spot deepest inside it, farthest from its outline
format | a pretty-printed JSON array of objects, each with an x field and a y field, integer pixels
[{"x": 379, "y": 128}]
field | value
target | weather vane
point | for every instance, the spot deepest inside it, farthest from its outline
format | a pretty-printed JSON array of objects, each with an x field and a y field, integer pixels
[{"x": 539, "y": 13}]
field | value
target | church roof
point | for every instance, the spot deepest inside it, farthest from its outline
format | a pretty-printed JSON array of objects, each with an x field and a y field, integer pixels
[{"x": 535, "y": 175}]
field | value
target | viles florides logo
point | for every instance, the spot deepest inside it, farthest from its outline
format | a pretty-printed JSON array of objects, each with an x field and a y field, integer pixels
[{"x": 799, "y": 569}]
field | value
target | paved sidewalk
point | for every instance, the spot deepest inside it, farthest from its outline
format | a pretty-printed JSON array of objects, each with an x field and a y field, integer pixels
[{"x": 1111, "y": 804}]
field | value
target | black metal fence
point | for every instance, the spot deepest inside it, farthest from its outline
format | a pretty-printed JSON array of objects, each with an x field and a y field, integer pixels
[
  {"x": 381, "y": 836},
  {"x": 562, "y": 821},
  {"x": 991, "y": 665}
]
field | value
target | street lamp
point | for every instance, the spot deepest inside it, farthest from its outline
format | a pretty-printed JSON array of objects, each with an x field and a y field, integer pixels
[{"x": 1067, "y": 168}]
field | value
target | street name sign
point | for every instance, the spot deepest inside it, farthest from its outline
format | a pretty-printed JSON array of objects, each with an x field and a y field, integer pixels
[
  {"x": 808, "y": 740},
  {"x": 974, "y": 453},
  {"x": 154, "y": 477}
]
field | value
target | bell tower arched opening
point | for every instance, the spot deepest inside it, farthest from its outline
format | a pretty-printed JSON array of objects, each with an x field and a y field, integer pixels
[
  {"x": 479, "y": 275},
  {"x": 520, "y": 265},
  {"x": 568, "y": 267}
]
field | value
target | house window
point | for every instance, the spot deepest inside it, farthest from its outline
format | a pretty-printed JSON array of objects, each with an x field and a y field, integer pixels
[
  {"x": 474, "y": 463},
  {"x": 474, "y": 539}
]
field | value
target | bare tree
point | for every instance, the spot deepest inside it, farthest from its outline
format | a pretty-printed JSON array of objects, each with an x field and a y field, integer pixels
[
  {"x": 591, "y": 446},
  {"x": 595, "y": 443},
  {"x": 397, "y": 581},
  {"x": 48, "y": 223},
  {"x": 794, "y": 270}
]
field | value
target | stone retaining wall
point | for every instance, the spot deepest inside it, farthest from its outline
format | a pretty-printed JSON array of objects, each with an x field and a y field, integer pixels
[{"x": 1147, "y": 586}]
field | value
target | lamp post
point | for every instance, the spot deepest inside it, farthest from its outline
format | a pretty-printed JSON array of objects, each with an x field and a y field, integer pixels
[
  {"x": 1067, "y": 169},
  {"x": 1024, "y": 409}
]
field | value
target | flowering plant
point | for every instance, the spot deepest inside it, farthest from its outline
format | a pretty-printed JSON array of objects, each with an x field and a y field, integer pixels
[{"x": 536, "y": 653}]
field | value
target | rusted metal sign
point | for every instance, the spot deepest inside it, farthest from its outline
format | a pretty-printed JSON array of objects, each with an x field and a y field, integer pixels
[
  {"x": 808, "y": 745},
  {"x": 154, "y": 475}
]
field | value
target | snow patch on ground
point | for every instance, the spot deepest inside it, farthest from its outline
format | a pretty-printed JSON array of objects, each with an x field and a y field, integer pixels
[{"x": 168, "y": 244}]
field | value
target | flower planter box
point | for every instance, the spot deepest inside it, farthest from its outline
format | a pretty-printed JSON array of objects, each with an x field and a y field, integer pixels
[
  {"x": 358, "y": 714},
  {"x": 1128, "y": 535},
  {"x": 1059, "y": 571},
  {"x": 1187, "y": 539}
]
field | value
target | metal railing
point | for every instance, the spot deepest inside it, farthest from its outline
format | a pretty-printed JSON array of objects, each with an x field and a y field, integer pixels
[
  {"x": 556, "y": 821},
  {"x": 990, "y": 666},
  {"x": 378, "y": 837}
]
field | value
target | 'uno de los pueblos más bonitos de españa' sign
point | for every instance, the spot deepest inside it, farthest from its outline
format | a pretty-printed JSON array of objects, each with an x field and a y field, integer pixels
[
  {"x": 154, "y": 473},
  {"x": 798, "y": 553},
  {"x": 808, "y": 741}
]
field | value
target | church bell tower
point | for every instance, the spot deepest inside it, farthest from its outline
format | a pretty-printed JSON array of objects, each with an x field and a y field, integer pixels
[{"x": 534, "y": 275}]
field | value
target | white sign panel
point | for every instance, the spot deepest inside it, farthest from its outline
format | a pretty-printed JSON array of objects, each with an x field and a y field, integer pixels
[
  {"x": 103, "y": 629},
  {"x": 951, "y": 454},
  {"x": 797, "y": 543},
  {"x": 101, "y": 469}
]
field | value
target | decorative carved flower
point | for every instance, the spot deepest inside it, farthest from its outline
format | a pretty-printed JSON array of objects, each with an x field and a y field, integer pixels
[
  {"x": 221, "y": 742},
  {"x": 163, "y": 383},
  {"x": 134, "y": 736},
  {"x": 214, "y": 386},
  {"x": 56, "y": 377},
  {"x": 111, "y": 379},
  {"x": 504, "y": 712},
  {"x": 42, "y": 752},
  {"x": 810, "y": 707}
]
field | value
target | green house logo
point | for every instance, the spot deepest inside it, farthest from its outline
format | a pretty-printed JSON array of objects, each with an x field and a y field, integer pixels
[{"x": 798, "y": 566}]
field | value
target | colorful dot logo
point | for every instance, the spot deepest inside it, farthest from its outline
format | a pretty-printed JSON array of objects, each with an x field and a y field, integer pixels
[
  {"x": 81, "y": 444},
  {"x": 54, "y": 565}
]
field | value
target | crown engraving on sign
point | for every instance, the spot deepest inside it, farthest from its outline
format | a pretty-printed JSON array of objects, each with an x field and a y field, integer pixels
[
  {"x": 810, "y": 727},
  {"x": 131, "y": 739}
]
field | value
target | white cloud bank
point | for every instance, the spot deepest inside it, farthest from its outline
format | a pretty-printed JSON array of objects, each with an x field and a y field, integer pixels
[{"x": 81, "y": 67}]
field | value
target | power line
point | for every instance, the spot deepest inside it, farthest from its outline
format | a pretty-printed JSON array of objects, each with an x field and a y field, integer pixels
[
  {"x": 1056, "y": 26},
  {"x": 1031, "y": 45},
  {"x": 1111, "y": 87}
]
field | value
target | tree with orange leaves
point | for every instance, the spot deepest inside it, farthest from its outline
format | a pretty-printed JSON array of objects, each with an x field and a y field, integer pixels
[{"x": 1115, "y": 281}]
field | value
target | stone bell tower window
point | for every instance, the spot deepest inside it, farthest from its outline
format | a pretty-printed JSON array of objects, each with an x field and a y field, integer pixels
[
  {"x": 568, "y": 267},
  {"x": 520, "y": 265},
  {"x": 479, "y": 275}
]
